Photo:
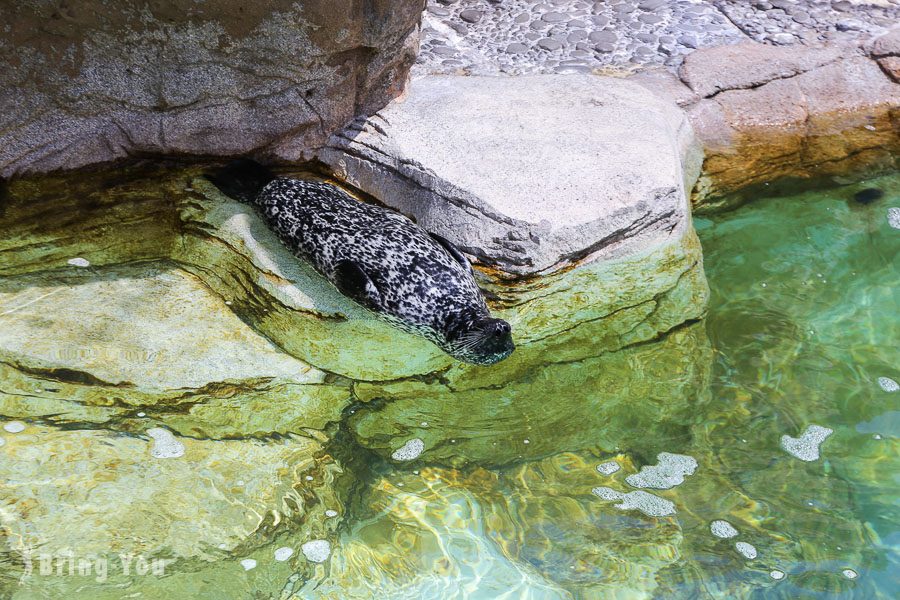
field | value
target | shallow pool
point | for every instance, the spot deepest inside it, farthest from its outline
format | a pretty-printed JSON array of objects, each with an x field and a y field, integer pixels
[{"x": 756, "y": 454}]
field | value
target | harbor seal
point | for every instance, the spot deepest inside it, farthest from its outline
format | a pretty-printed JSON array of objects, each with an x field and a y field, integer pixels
[{"x": 416, "y": 280}]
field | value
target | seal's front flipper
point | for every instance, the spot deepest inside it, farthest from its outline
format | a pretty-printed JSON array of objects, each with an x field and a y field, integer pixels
[
  {"x": 354, "y": 283},
  {"x": 453, "y": 251}
]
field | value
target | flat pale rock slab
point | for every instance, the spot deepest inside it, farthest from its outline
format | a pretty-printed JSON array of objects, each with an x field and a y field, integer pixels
[{"x": 527, "y": 174}]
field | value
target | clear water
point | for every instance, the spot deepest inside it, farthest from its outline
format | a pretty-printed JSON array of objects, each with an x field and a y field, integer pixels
[{"x": 803, "y": 321}]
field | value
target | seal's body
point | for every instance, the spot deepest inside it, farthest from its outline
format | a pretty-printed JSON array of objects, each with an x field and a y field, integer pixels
[{"x": 416, "y": 280}]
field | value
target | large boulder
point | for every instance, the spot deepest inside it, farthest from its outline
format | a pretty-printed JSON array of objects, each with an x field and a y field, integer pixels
[
  {"x": 87, "y": 83},
  {"x": 771, "y": 115}
]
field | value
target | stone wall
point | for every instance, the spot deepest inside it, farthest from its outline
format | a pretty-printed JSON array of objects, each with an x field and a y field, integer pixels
[{"x": 94, "y": 81}]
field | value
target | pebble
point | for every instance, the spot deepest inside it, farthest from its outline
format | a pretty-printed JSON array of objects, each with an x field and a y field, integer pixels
[
  {"x": 316, "y": 551},
  {"x": 549, "y": 44},
  {"x": 782, "y": 39},
  {"x": 603, "y": 36},
  {"x": 516, "y": 47},
  {"x": 650, "y": 19},
  {"x": 722, "y": 529},
  {"x": 806, "y": 447},
  {"x": 651, "y": 5},
  {"x": 746, "y": 550},
  {"x": 471, "y": 15},
  {"x": 689, "y": 41},
  {"x": 14, "y": 427},
  {"x": 410, "y": 450},
  {"x": 284, "y": 553},
  {"x": 554, "y": 17},
  {"x": 164, "y": 444}
]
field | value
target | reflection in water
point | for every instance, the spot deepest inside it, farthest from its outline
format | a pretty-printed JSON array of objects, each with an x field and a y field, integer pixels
[{"x": 750, "y": 455}]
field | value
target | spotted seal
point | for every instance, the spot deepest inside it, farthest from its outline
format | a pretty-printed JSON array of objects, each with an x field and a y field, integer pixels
[{"x": 415, "y": 279}]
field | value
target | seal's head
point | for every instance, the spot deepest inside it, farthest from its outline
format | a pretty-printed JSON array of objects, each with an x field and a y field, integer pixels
[{"x": 482, "y": 341}]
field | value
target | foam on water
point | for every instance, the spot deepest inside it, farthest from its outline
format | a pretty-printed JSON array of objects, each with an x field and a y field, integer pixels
[
  {"x": 776, "y": 574},
  {"x": 316, "y": 551},
  {"x": 248, "y": 563},
  {"x": 410, "y": 450},
  {"x": 647, "y": 503},
  {"x": 806, "y": 447},
  {"x": 888, "y": 384},
  {"x": 670, "y": 471},
  {"x": 722, "y": 529},
  {"x": 893, "y": 217},
  {"x": 608, "y": 468},
  {"x": 14, "y": 427},
  {"x": 164, "y": 444},
  {"x": 79, "y": 262},
  {"x": 746, "y": 550},
  {"x": 849, "y": 573},
  {"x": 283, "y": 553}
]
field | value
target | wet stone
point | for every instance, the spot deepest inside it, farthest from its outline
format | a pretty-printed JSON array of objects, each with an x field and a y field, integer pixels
[
  {"x": 651, "y": 5},
  {"x": 650, "y": 19},
  {"x": 523, "y": 18},
  {"x": 688, "y": 41},
  {"x": 600, "y": 21},
  {"x": 577, "y": 36}
]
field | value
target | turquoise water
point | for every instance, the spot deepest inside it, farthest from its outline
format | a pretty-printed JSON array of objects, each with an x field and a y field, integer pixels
[{"x": 801, "y": 336}]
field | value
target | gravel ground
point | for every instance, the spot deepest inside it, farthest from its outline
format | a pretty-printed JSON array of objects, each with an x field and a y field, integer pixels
[{"x": 541, "y": 36}]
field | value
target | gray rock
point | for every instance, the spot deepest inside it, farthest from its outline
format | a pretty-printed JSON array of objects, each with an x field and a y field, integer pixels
[
  {"x": 471, "y": 15},
  {"x": 216, "y": 82},
  {"x": 516, "y": 47},
  {"x": 689, "y": 41},
  {"x": 586, "y": 158},
  {"x": 651, "y": 5},
  {"x": 650, "y": 19},
  {"x": 554, "y": 17},
  {"x": 603, "y": 36},
  {"x": 549, "y": 44}
]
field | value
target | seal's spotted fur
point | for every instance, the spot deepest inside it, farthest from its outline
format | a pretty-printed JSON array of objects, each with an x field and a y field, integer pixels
[{"x": 379, "y": 258}]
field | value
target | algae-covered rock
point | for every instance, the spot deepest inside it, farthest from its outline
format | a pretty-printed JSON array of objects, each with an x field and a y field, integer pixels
[
  {"x": 97, "y": 344},
  {"x": 100, "y": 493},
  {"x": 604, "y": 402}
]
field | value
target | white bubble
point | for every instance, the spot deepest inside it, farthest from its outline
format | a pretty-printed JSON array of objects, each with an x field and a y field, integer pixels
[
  {"x": 248, "y": 563},
  {"x": 14, "y": 427},
  {"x": 806, "y": 447},
  {"x": 670, "y": 471},
  {"x": 424, "y": 424},
  {"x": 410, "y": 450},
  {"x": 164, "y": 444},
  {"x": 526, "y": 441},
  {"x": 746, "y": 550},
  {"x": 608, "y": 468},
  {"x": 316, "y": 551},
  {"x": 78, "y": 262},
  {"x": 309, "y": 477},
  {"x": 849, "y": 573},
  {"x": 331, "y": 513},
  {"x": 893, "y": 217},
  {"x": 776, "y": 574},
  {"x": 142, "y": 414},
  {"x": 284, "y": 553},
  {"x": 888, "y": 384},
  {"x": 722, "y": 529}
]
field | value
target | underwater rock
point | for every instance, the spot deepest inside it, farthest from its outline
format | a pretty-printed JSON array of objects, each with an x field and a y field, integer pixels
[
  {"x": 485, "y": 417},
  {"x": 92, "y": 83},
  {"x": 868, "y": 195},
  {"x": 101, "y": 493}
]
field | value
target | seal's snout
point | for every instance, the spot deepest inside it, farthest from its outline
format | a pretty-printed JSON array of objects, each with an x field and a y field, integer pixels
[
  {"x": 499, "y": 327},
  {"x": 497, "y": 341}
]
